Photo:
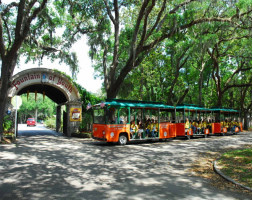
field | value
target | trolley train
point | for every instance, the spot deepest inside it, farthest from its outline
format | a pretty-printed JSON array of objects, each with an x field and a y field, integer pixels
[{"x": 122, "y": 121}]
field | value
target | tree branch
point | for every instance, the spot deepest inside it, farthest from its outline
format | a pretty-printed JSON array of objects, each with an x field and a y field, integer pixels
[
  {"x": 2, "y": 46},
  {"x": 234, "y": 38},
  {"x": 30, "y": 5},
  {"x": 199, "y": 21},
  {"x": 106, "y": 81},
  {"x": 237, "y": 85},
  {"x": 157, "y": 20},
  {"x": 7, "y": 9},
  {"x": 109, "y": 12},
  {"x": 144, "y": 30},
  {"x": 116, "y": 42},
  {"x": 20, "y": 17},
  {"x": 8, "y": 32},
  {"x": 136, "y": 30},
  {"x": 20, "y": 36},
  {"x": 183, "y": 96},
  {"x": 180, "y": 5},
  {"x": 237, "y": 15}
]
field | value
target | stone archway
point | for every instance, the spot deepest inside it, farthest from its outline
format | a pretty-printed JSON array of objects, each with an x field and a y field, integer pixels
[{"x": 57, "y": 87}]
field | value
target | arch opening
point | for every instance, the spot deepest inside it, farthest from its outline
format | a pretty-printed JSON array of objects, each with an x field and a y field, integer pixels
[{"x": 51, "y": 92}]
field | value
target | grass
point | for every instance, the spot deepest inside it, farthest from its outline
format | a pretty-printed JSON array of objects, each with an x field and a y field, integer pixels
[{"x": 237, "y": 164}]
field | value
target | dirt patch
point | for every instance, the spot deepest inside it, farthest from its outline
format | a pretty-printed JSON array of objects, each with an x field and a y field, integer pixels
[{"x": 203, "y": 166}]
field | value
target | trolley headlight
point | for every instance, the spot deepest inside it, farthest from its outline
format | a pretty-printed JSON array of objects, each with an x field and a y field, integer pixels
[
  {"x": 112, "y": 134},
  {"x": 103, "y": 132},
  {"x": 165, "y": 134}
]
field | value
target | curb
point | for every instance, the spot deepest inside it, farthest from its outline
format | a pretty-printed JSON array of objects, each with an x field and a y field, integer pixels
[{"x": 228, "y": 178}]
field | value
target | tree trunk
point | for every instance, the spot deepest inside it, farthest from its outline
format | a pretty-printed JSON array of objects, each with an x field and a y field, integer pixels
[
  {"x": 245, "y": 119},
  {"x": 219, "y": 101},
  {"x": 36, "y": 115},
  {"x": 112, "y": 93},
  {"x": 200, "y": 86},
  {"x": 231, "y": 103},
  {"x": 6, "y": 73},
  {"x": 3, "y": 94},
  {"x": 141, "y": 84}
]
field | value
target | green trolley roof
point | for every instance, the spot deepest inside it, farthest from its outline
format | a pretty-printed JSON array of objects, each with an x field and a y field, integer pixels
[
  {"x": 216, "y": 109},
  {"x": 203, "y": 109},
  {"x": 191, "y": 107},
  {"x": 119, "y": 103},
  {"x": 136, "y": 104}
]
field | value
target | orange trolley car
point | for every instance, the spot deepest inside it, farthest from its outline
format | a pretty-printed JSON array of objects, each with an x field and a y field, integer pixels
[
  {"x": 191, "y": 121},
  {"x": 226, "y": 121},
  {"x": 124, "y": 120}
]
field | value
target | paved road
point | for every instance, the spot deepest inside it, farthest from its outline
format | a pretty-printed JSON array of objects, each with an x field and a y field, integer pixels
[
  {"x": 56, "y": 167},
  {"x": 39, "y": 129}
]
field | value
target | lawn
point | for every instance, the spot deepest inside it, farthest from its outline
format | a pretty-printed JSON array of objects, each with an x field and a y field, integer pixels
[{"x": 237, "y": 164}]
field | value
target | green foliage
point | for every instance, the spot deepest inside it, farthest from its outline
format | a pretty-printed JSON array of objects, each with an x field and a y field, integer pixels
[
  {"x": 86, "y": 98},
  {"x": 46, "y": 37},
  {"x": 182, "y": 68},
  {"x": 45, "y": 108},
  {"x": 50, "y": 122},
  {"x": 7, "y": 123}
]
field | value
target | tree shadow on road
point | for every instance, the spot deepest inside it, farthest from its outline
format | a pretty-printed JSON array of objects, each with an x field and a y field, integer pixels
[{"x": 58, "y": 168}]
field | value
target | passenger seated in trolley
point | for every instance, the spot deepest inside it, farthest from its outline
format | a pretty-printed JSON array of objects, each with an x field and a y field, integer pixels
[
  {"x": 148, "y": 127},
  {"x": 199, "y": 127},
  {"x": 187, "y": 125},
  {"x": 204, "y": 126},
  {"x": 194, "y": 126},
  {"x": 226, "y": 125},
  {"x": 235, "y": 124},
  {"x": 140, "y": 129},
  {"x": 154, "y": 126},
  {"x": 222, "y": 124},
  {"x": 133, "y": 129}
]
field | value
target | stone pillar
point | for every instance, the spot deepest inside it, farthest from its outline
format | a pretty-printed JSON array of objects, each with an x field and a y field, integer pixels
[
  {"x": 10, "y": 112},
  {"x": 58, "y": 118},
  {"x": 68, "y": 133},
  {"x": 73, "y": 109}
]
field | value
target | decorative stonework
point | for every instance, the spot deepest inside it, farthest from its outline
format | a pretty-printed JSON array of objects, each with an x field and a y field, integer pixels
[
  {"x": 46, "y": 77},
  {"x": 38, "y": 77}
]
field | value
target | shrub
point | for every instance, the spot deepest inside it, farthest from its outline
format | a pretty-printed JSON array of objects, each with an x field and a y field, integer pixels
[
  {"x": 7, "y": 123},
  {"x": 50, "y": 122}
]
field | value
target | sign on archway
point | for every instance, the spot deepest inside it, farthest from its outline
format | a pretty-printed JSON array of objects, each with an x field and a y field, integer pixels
[
  {"x": 44, "y": 77},
  {"x": 75, "y": 114}
]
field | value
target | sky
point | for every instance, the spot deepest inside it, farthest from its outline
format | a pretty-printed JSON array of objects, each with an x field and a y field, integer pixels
[{"x": 85, "y": 77}]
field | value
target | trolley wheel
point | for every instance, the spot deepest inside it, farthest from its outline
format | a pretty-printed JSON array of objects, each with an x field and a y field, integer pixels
[
  {"x": 122, "y": 139},
  {"x": 222, "y": 134}
]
